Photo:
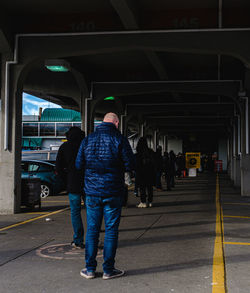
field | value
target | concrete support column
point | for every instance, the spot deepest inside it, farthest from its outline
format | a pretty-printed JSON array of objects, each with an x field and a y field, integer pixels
[
  {"x": 233, "y": 142},
  {"x": 239, "y": 135},
  {"x": 90, "y": 105},
  {"x": 149, "y": 137},
  {"x": 83, "y": 115},
  {"x": 83, "y": 94},
  {"x": 232, "y": 169},
  {"x": 236, "y": 159},
  {"x": 237, "y": 148},
  {"x": 245, "y": 163},
  {"x": 223, "y": 152},
  {"x": 245, "y": 158},
  {"x": 87, "y": 116},
  {"x": 161, "y": 141},
  {"x": 123, "y": 124},
  {"x": 10, "y": 159},
  {"x": 237, "y": 171},
  {"x": 165, "y": 143},
  {"x": 141, "y": 125},
  {"x": 90, "y": 115},
  {"x": 230, "y": 156},
  {"x": 155, "y": 140},
  {"x": 142, "y": 129},
  {"x": 245, "y": 175},
  {"x": 245, "y": 126}
]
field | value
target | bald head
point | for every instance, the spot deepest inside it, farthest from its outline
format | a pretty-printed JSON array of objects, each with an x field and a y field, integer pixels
[{"x": 112, "y": 118}]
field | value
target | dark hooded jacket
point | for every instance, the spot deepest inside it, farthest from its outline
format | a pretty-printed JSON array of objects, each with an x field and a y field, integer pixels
[
  {"x": 145, "y": 165},
  {"x": 105, "y": 155},
  {"x": 65, "y": 161}
]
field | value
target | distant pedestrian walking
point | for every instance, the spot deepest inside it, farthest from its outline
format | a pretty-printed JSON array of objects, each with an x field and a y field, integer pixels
[
  {"x": 145, "y": 172},
  {"x": 105, "y": 155},
  {"x": 172, "y": 162},
  {"x": 167, "y": 168},
  {"x": 65, "y": 167}
]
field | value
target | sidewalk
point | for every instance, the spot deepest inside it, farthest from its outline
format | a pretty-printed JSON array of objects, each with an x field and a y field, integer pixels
[
  {"x": 166, "y": 248},
  {"x": 236, "y": 219}
]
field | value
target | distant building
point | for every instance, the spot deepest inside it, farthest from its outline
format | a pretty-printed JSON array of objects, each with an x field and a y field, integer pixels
[{"x": 48, "y": 132}]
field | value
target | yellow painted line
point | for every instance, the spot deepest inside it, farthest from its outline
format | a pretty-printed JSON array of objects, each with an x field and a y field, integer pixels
[
  {"x": 237, "y": 217},
  {"x": 237, "y": 243},
  {"x": 33, "y": 219},
  {"x": 236, "y": 203},
  {"x": 218, "y": 282}
]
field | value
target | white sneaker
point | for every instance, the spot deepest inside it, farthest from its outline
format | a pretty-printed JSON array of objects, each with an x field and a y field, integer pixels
[
  {"x": 150, "y": 204},
  {"x": 142, "y": 205},
  {"x": 86, "y": 274}
]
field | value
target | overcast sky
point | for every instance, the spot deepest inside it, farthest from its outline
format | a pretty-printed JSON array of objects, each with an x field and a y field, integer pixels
[{"x": 32, "y": 104}]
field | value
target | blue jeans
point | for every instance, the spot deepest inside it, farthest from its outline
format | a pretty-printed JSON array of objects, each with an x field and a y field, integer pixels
[
  {"x": 76, "y": 219},
  {"x": 110, "y": 210}
]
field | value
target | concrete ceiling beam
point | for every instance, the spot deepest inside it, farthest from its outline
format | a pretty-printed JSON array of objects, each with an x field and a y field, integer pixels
[
  {"x": 6, "y": 38},
  {"x": 4, "y": 43},
  {"x": 183, "y": 117},
  {"x": 202, "y": 41},
  {"x": 127, "y": 13},
  {"x": 189, "y": 126},
  {"x": 191, "y": 131},
  {"x": 229, "y": 88},
  {"x": 182, "y": 108}
]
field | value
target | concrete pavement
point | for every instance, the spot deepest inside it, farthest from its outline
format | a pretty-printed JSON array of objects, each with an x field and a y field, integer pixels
[{"x": 166, "y": 248}]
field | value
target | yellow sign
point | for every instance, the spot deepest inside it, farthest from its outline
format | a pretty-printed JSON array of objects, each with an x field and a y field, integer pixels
[{"x": 193, "y": 160}]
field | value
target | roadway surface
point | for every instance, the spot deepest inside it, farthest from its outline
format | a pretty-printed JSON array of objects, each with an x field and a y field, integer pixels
[{"x": 175, "y": 246}]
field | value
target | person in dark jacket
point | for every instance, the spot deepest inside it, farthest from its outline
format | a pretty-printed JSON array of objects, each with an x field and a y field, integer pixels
[
  {"x": 65, "y": 167},
  {"x": 145, "y": 172},
  {"x": 159, "y": 167},
  {"x": 105, "y": 155},
  {"x": 180, "y": 164},
  {"x": 167, "y": 168},
  {"x": 172, "y": 161}
]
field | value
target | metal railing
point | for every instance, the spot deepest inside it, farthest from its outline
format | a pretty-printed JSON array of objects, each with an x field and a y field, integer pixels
[{"x": 47, "y": 129}]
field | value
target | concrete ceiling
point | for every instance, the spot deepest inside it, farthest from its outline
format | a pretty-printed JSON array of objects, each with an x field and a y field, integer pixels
[{"x": 137, "y": 66}]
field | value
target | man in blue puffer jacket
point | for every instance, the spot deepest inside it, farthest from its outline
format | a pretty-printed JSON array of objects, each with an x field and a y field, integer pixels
[{"x": 105, "y": 155}]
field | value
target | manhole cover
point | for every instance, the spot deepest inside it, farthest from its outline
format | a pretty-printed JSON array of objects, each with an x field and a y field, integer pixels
[{"x": 63, "y": 251}]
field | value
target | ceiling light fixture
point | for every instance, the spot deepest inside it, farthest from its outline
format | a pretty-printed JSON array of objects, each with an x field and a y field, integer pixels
[
  {"x": 57, "y": 65},
  {"x": 109, "y": 98}
]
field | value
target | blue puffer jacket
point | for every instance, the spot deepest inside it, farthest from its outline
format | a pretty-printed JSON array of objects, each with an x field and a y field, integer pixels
[{"x": 105, "y": 155}]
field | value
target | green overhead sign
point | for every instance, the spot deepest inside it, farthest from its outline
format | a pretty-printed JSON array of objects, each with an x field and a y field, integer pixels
[
  {"x": 57, "y": 68},
  {"x": 109, "y": 99}
]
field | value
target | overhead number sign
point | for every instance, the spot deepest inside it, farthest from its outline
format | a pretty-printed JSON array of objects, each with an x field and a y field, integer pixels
[{"x": 193, "y": 160}]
